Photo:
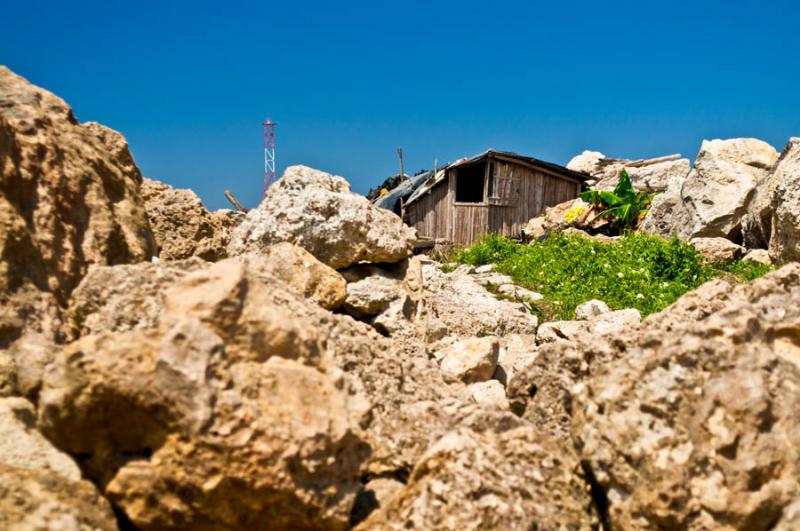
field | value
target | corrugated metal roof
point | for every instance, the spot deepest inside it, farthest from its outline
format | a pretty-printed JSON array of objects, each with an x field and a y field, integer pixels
[
  {"x": 441, "y": 174},
  {"x": 404, "y": 189}
]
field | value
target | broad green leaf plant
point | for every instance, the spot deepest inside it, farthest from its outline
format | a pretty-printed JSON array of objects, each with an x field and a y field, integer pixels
[{"x": 623, "y": 207}]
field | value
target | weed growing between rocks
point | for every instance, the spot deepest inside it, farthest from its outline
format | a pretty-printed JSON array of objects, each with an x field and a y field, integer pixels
[{"x": 637, "y": 271}]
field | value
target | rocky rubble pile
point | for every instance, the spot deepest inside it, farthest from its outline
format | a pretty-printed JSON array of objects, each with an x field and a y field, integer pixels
[
  {"x": 321, "y": 377},
  {"x": 182, "y": 227},
  {"x": 651, "y": 175},
  {"x": 740, "y": 199}
]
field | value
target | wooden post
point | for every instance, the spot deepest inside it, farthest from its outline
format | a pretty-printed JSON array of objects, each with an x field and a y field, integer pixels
[
  {"x": 402, "y": 170},
  {"x": 229, "y": 195}
]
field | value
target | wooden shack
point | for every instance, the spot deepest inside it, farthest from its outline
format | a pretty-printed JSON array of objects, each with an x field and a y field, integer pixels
[{"x": 494, "y": 192}]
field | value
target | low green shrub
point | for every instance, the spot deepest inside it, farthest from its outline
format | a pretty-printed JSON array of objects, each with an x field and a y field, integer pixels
[
  {"x": 623, "y": 207},
  {"x": 637, "y": 271}
]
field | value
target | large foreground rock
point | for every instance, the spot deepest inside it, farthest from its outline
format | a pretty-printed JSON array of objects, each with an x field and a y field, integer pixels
[
  {"x": 513, "y": 478},
  {"x": 41, "y": 487},
  {"x": 38, "y": 500},
  {"x": 411, "y": 402},
  {"x": 66, "y": 201},
  {"x": 773, "y": 219},
  {"x": 713, "y": 199},
  {"x": 317, "y": 211},
  {"x": 224, "y": 415},
  {"x": 696, "y": 425},
  {"x": 301, "y": 273},
  {"x": 182, "y": 226},
  {"x": 651, "y": 175}
]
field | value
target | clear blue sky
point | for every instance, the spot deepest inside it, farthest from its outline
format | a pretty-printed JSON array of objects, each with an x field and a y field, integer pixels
[{"x": 189, "y": 83}]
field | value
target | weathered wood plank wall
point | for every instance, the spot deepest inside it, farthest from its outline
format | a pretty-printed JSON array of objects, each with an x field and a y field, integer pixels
[{"x": 521, "y": 193}]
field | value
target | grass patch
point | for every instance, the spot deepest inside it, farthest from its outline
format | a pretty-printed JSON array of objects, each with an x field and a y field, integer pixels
[{"x": 637, "y": 271}]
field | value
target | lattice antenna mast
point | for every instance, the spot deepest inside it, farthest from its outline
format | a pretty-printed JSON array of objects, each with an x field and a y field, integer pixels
[{"x": 269, "y": 154}]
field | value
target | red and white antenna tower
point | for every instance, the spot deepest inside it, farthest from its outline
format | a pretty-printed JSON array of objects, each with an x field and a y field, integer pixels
[{"x": 269, "y": 154}]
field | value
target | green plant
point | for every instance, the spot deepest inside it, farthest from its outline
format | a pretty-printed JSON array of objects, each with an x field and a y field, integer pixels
[
  {"x": 448, "y": 267},
  {"x": 623, "y": 207},
  {"x": 636, "y": 271},
  {"x": 746, "y": 270}
]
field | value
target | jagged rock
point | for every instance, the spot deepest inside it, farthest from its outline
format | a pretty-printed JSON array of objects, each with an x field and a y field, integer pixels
[
  {"x": 718, "y": 249},
  {"x": 488, "y": 277},
  {"x": 318, "y": 212},
  {"x": 516, "y": 351},
  {"x": 470, "y": 360},
  {"x": 370, "y": 290},
  {"x": 490, "y": 393},
  {"x": 519, "y": 293},
  {"x": 696, "y": 425},
  {"x": 405, "y": 387},
  {"x": 67, "y": 200},
  {"x": 714, "y": 197},
  {"x": 557, "y": 218},
  {"x": 302, "y": 273},
  {"x": 590, "y": 309},
  {"x": 568, "y": 352},
  {"x": 375, "y": 494},
  {"x": 41, "y": 487},
  {"x": 790, "y": 519},
  {"x": 758, "y": 255},
  {"x": 123, "y": 297},
  {"x": 225, "y": 415},
  {"x": 651, "y": 175},
  {"x": 512, "y": 478},
  {"x": 8, "y": 377},
  {"x": 22, "y": 446},
  {"x": 773, "y": 218},
  {"x": 40, "y": 500},
  {"x": 29, "y": 355},
  {"x": 387, "y": 296},
  {"x": 182, "y": 226},
  {"x": 600, "y": 324},
  {"x": 486, "y": 268},
  {"x": 466, "y": 308}
]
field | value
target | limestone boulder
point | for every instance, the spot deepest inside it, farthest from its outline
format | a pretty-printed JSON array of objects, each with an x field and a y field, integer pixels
[
  {"x": 696, "y": 426},
  {"x": 40, "y": 486},
  {"x": 720, "y": 250},
  {"x": 568, "y": 352},
  {"x": 489, "y": 393},
  {"x": 470, "y": 360},
  {"x": 181, "y": 224},
  {"x": 302, "y": 273},
  {"x": 512, "y": 478},
  {"x": 22, "y": 446},
  {"x": 758, "y": 255},
  {"x": 650, "y": 175},
  {"x": 67, "y": 201},
  {"x": 790, "y": 519},
  {"x": 123, "y": 297},
  {"x": 371, "y": 290},
  {"x": 773, "y": 218},
  {"x": 460, "y": 304},
  {"x": 608, "y": 323},
  {"x": 225, "y": 414},
  {"x": 516, "y": 352},
  {"x": 558, "y": 218},
  {"x": 714, "y": 198},
  {"x": 317, "y": 211},
  {"x": 376, "y": 494},
  {"x": 590, "y": 309},
  {"x": 41, "y": 500},
  {"x": 389, "y": 296}
]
